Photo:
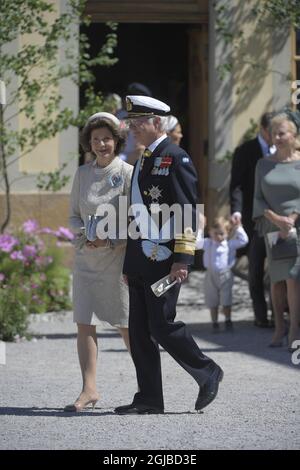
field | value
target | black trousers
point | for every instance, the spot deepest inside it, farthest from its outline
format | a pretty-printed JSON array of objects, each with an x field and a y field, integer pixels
[
  {"x": 151, "y": 323},
  {"x": 256, "y": 259}
]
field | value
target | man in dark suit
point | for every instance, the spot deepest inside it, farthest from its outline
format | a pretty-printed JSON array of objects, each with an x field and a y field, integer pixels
[
  {"x": 163, "y": 177},
  {"x": 241, "y": 201}
]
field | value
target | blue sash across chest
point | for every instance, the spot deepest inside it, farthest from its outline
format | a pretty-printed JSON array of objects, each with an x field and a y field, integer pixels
[{"x": 153, "y": 237}]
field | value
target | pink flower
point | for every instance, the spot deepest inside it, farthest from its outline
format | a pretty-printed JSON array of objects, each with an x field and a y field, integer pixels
[
  {"x": 64, "y": 233},
  {"x": 43, "y": 277},
  {"x": 2, "y": 277},
  {"x": 29, "y": 251},
  {"x": 17, "y": 255},
  {"x": 40, "y": 261},
  {"x": 7, "y": 243},
  {"x": 30, "y": 226}
]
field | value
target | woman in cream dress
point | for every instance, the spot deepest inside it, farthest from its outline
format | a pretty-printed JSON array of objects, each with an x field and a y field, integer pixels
[{"x": 99, "y": 292}]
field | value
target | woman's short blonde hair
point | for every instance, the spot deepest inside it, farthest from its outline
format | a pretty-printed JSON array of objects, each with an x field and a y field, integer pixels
[{"x": 283, "y": 117}]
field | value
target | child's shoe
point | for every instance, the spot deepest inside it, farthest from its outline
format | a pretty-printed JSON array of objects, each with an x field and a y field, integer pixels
[{"x": 228, "y": 325}]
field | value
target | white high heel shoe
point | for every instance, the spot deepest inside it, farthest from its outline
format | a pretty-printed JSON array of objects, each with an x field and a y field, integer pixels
[{"x": 80, "y": 405}]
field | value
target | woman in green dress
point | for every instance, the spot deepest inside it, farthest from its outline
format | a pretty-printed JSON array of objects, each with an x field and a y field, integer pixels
[{"x": 277, "y": 209}]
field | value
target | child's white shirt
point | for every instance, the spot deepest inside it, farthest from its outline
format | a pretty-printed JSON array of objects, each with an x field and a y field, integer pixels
[{"x": 219, "y": 256}]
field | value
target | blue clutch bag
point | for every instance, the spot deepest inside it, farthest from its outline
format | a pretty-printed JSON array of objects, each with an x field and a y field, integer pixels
[{"x": 90, "y": 229}]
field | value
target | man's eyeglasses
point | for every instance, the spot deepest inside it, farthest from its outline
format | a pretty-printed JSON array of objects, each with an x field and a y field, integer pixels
[{"x": 137, "y": 122}]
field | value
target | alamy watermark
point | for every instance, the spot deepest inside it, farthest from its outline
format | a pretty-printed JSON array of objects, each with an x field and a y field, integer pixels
[
  {"x": 160, "y": 223},
  {"x": 296, "y": 92},
  {"x": 296, "y": 354}
]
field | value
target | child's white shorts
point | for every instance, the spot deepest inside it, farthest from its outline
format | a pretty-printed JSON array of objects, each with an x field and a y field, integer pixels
[{"x": 218, "y": 288}]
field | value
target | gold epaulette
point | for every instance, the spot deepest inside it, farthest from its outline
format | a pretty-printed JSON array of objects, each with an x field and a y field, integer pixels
[{"x": 185, "y": 242}]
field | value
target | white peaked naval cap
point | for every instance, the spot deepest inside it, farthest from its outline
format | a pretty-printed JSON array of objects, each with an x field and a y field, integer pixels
[{"x": 137, "y": 105}]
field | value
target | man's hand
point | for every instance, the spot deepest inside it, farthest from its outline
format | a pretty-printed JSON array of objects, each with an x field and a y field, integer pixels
[{"x": 179, "y": 272}]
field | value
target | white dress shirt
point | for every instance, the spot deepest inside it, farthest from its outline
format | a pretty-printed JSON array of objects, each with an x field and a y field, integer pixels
[
  {"x": 266, "y": 150},
  {"x": 219, "y": 256},
  {"x": 156, "y": 143}
]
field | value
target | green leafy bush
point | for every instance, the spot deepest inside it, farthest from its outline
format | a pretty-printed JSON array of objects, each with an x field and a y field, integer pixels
[
  {"x": 32, "y": 276},
  {"x": 14, "y": 303}
]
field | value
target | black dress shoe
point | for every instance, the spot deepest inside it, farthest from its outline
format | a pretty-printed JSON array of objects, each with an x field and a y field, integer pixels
[
  {"x": 209, "y": 390},
  {"x": 136, "y": 409}
]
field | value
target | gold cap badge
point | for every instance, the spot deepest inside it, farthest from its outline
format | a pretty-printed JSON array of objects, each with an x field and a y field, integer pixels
[{"x": 128, "y": 104}]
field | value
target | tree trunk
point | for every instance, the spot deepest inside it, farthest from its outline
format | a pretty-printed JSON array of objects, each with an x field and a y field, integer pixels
[{"x": 3, "y": 167}]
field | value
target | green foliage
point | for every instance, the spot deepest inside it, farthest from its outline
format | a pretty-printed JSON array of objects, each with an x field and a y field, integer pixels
[
  {"x": 265, "y": 16},
  {"x": 250, "y": 133},
  {"x": 281, "y": 11},
  {"x": 224, "y": 70},
  {"x": 13, "y": 312},
  {"x": 33, "y": 77},
  {"x": 227, "y": 157},
  {"x": 272, "y": 15},
  {"x": 32, "y": 276},
  {"x": 53, "y": 181}
]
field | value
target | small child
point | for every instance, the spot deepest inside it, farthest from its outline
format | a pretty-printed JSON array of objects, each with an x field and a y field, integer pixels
[{"x": 218, "y": 259}]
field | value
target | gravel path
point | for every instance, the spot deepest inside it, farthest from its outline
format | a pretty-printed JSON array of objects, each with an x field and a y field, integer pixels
[{"x": 258, "y": 406}]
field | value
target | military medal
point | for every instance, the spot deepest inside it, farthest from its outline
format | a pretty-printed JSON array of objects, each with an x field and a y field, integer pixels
[
  {"x": 153, "y": 255},
  {"x": 161, "y": 166},
  {"x": 155, "y": 193}
]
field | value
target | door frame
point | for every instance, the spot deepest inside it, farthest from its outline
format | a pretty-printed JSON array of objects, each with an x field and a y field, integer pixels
[{"x": 195, "y": 14}]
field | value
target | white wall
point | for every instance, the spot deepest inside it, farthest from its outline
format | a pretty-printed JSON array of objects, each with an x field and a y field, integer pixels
[
  {"x": 260, "y": 90},
  {"x": 220, "y": 110},
  {"x": 63, "y": 148}
]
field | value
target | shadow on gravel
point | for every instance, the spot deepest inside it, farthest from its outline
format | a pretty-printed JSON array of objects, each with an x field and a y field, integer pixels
[
  {"x": 245, "y": 338},
  {"x": 58, "y": 412}
]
